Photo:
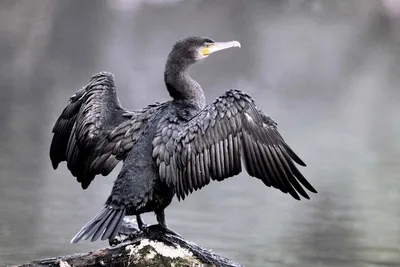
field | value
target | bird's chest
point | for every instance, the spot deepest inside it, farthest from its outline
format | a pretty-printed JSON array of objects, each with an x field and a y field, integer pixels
[{"x": 140, "y": 158}]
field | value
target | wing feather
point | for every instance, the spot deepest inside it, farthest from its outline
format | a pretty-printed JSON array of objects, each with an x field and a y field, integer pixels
[
  {"x": 215, "y": 142},
  {"x": 93, "y": 133}
]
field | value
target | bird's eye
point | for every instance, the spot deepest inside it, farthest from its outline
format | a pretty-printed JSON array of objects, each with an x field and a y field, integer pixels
[{"x": 207, "y": 45}]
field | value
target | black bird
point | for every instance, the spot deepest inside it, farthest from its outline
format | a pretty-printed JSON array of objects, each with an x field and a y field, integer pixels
[{"x": 169, "y": 148}]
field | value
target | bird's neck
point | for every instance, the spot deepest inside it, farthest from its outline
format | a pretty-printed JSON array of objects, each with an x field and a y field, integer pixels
[{"x": 181, "y": 86}]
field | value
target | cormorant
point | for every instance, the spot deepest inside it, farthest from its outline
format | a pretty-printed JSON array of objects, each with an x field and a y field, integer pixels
[{"x": 169, "y": 148}]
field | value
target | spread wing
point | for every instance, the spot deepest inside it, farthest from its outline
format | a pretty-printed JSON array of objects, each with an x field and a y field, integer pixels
[
  {"x": 213, "y": 144},
  {"x": 94, "y": 132}
]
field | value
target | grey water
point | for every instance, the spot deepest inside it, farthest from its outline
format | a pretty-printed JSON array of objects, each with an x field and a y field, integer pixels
[{"x": 326, "y": 71}]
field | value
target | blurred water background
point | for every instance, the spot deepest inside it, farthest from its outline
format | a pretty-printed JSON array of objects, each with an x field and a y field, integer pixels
[{"x": 327, "y": 71}]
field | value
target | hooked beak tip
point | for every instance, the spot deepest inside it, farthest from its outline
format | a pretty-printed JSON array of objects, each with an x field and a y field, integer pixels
[{"x": 236, "y": 44}]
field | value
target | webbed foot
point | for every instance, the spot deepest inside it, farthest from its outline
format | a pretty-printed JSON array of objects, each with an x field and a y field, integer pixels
[{"x": 162, "y": 229}]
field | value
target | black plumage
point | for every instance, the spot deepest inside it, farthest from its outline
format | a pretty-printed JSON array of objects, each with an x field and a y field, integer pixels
[{"x": 175, "y": 147}]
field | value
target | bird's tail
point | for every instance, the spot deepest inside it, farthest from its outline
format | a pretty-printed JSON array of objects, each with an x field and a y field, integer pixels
[{"x": 106, "y": 224}]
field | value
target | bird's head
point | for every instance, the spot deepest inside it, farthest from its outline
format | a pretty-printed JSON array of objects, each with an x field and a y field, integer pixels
[{"x": 193, "y": 49}]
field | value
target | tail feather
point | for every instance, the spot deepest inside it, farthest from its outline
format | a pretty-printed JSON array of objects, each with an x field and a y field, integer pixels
[
  {"x": 106, "y": 224},
  {"x": 103, "y": 226},
  {"x": 85, "y": 229},
  {"x": 112, "y": 230},
  {"x": 117, "y": 222},
  {"x": 94, "y": 227}
]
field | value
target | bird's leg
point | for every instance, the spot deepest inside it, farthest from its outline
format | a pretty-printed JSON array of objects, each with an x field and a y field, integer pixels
[
  {"x": 140, "y": 222},
  {"x": 161, "y": 222}
]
